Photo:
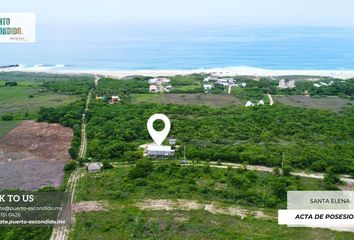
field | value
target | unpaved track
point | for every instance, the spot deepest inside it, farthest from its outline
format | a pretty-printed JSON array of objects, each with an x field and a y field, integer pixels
[
  {"x": 62, "y": 232},
  {"x": 271, "y": 102},
  {"x": 187, "y": 205}
]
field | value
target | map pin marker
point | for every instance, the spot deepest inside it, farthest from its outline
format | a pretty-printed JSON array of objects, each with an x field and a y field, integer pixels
[{"x": 158, "y": 136}]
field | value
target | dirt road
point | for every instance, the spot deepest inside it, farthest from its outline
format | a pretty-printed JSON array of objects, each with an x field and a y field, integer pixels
[
  {"x": 62, "y": 232},
  {"x": 271, "y": 102}
]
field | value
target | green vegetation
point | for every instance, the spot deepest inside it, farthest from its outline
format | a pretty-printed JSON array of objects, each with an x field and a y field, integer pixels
[
  {"x": 122, "y": 88},
  {"x": 211, "y": 100},
  {"x": 69, "y": 86},
  {"x": 25, "y": 233},
  {"x": 212, "y": 127},
  {"x": 256, "y": 89},
  {"x": 332, "y": 103},
  {"x": 131, "y": 223},
  {"x": 34, "y": 91},
  {"x": 68, "y": 116},
  {"x": 6, "y": 126},
  {"x": 203, "y": 183},
  {"x": 309, "y": 138},
  {"x": 187, "y": 84},
  {"x": 122, "y": 188}
]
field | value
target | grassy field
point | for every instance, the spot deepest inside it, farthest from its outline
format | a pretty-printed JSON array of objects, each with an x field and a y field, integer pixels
[
  {"x": 187, "y": 84},
  {"x": 25, "y": 99},
  {"x": 325, "y": 103},
  {"x": 199, "y": 183},
  {"x": 6, "y": 126},
  {"x": 126, "y": 219},
  {"x": 132, "y": 223},
  {"x": 211, "y": 100}
]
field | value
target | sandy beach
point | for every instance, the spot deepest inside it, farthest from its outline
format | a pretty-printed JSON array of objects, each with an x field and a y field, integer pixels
[{"x": 231, "y": 71}]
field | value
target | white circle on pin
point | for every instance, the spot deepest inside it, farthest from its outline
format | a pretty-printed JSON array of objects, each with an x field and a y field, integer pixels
[{"x": 158, "y": 136}]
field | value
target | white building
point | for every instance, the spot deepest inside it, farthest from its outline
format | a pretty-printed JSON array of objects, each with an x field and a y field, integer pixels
[
  {"x": 94, "y": 167},
  {"x": 207, "y": 87},
  {"x": 153, "y": 81},
  {"x": 211, "y": 78},
  {"x": 159, "y": 80},
  {"x": 159, "y": 151},
  {"x": 153, "y": 88},
  {"x": 226, "y": 81},
  {"x": 249, "y": 104},
  {"x": 243, "y": 84},
  {"x": 323, "y": 84},
  {"x": 283, "y": 84}
]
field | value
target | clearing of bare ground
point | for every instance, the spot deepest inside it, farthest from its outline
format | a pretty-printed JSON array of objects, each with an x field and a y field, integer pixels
[
  {"x": 33, "y": 155},
  {"x": 325, "y": 103}
]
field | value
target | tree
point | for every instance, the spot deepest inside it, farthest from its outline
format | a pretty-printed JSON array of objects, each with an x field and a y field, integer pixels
[
  {"x": 142, "y": 169},
  {"x": 70, "y": 166},
  {"x": 106, "y": 165},
  {"x": 286, "y": 170},
  {"x": 331, "y": 179},
  {"x": 11, "y": 84}
]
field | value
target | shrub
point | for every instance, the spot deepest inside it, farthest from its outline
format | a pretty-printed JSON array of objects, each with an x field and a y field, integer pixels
[
  {"x": 7, "y": 117},
  {"x": 142, "y": 169},
  {"x": 70, "y": 166},
  {"x": 106, "y": 165},
  {"x": 11, "y": 84}
]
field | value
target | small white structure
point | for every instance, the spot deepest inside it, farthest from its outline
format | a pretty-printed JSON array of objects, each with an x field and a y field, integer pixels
[
  {"x": 172, "y": 141},
  {"x": 159, "y": 151},
  {"x": 261, "y": 102},
  {"x": 115, "y": 98},
  {"x": 159, "y": 80},
  {"x": 207, "y": 87},
  {"x": 153, "y": 88},
  {"x": 226, "y": 81},
  {"x": 249, "y": 104},
  {"x": 94, "y": 167},
  {"x": 211, "y": 78},
  {"x": 152, "y": 81},
  {"x": 156, "y": 85},
  {"x": 323, "y": 84},
  {"x": 243, "y": 84},
  {"x": 283, "y": 84}
]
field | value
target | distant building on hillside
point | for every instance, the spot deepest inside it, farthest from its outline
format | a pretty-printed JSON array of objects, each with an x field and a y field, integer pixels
[
  {"x": 323, "y": 84},
  {"x": 159, "y": 151},
  {"x": 153, "y": 89},
  {"x": 226, "y": 81},
  {"x": 159, "y": 80},
  {"x": 114, "y": 100},
  {"x": 207, "y": 87},
  {"x": 158, "y": 85},
  {"x": 283, "y": 84},
  {"x": 211, "y": 78}
]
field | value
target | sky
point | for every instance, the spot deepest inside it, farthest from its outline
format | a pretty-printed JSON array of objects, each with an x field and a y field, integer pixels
[{"x": 193, "y": 12}]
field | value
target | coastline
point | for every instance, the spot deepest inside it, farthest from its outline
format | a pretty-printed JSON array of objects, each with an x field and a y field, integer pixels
[{"x": 227, "y": 71}]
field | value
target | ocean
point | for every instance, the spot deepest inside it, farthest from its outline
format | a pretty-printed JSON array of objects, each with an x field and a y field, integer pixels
[{"x": 112, "y": 47}]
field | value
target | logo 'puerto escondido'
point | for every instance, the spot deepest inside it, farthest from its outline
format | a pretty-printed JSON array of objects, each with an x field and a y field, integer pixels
[
  {"x": 17, "y": 27},
  {"x": 6, "y": 30}
]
